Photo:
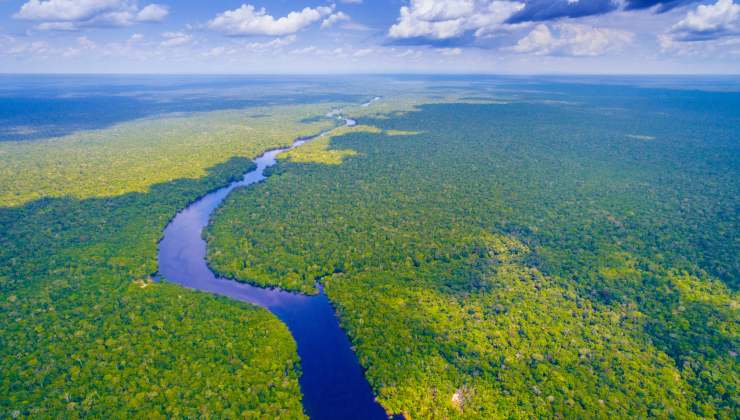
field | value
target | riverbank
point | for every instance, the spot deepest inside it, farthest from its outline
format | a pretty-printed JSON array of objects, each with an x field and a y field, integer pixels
[{"x": 332, "y": 381}]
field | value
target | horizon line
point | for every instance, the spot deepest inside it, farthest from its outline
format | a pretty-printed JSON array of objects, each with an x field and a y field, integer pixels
[{"x": 2, "y": 73}]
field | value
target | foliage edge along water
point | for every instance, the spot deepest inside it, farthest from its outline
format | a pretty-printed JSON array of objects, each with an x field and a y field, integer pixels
[
  {"x": 487, "y": 263},
  {"x": 332, "y": 380},
  {"x": 494, "y": 247}
]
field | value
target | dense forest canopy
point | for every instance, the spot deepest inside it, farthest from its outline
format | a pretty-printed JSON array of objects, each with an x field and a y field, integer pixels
[
  {"x": 494, "y": 247},
  {"x": 568, "y": 252},
  {"x": 85, "y": 331}
]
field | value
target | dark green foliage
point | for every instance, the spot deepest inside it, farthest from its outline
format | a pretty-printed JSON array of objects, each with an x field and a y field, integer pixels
[
  {"x": 527, "y": 259},
  {"x": 86, "y": 333},
  {"x": 159, "y": 351}
]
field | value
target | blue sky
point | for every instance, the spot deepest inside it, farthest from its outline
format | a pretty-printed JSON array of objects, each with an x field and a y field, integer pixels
[{"x": 368, "y": 36}]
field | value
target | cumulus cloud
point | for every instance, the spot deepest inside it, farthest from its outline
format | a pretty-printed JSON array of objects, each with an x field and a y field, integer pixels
[
  {"x": 446, "y": 19},
  {"x": 152, "y": 13},
  {"x": 66, "y": 10},
  {"x": 74, "y": 14},
  {"x": 707, "y": 22},
  {"x": 572, "y": 39},
  {"x": 277, "y": 42},
  {"x": 334, "y": 18},
  {"x": 248, "y": 20}
]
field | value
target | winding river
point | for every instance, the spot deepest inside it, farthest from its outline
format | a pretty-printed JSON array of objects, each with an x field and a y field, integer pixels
[{"x": 333, "y": 382}]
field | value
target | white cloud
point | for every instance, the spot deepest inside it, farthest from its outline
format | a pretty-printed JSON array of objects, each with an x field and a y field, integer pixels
[
  {"x": 445, "y": 19},
  {"x": 572, "y": 39},
  {"x": 247, "y": 20},
  {"x": 175, "y": 39},
  {"x": 74, "y": 14},
  {"x": 67, "y": 10},
  {"x": 152, "y": 13},
  {"x": 727, "y": 47},
  {"x": 277, "y": 42},
  {"x": 334, "y": 18},
  {"x": 708, "y": 22},
  {"x": 57, "y": 26},
  {"x": 273, "y": 46},
  {"x": 493, "y": 16},
  {"x": 248, "y": 48}
]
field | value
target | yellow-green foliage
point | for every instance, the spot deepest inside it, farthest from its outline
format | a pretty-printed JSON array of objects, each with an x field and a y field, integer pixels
[
  {"x": 317, "y": 151},
  {"x": 131, "y": 157},
  {"x": 525, "y": 347},
  {"x": 75, "y": 347}
]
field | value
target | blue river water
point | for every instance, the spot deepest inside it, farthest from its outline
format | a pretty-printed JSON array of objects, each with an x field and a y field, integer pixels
[{"x": 332, "y": 381}]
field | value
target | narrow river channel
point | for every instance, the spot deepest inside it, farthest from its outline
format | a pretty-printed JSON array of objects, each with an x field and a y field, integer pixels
[{"x": 333, "y": 382}]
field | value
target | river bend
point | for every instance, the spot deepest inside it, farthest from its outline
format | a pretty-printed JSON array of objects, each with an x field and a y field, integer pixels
[{"x": 332, "y": 381}]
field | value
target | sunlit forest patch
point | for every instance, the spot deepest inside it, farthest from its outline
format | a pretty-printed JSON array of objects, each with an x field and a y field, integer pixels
[
  {"x": 318, "y": 152},
  {"x": 131, "y": 157}
]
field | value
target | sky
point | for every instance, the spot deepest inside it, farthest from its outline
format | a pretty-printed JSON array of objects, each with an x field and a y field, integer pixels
[{"x": 371, "y": 36}]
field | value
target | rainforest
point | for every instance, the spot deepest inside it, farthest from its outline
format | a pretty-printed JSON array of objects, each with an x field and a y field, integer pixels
[{"x": 475, "y": 247}]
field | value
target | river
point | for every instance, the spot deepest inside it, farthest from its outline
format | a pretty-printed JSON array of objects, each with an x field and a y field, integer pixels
[{"x": 332, "y": 381}]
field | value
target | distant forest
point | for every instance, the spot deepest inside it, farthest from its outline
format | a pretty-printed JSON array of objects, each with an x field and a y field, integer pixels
[{"x": 493, "y": 250}]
